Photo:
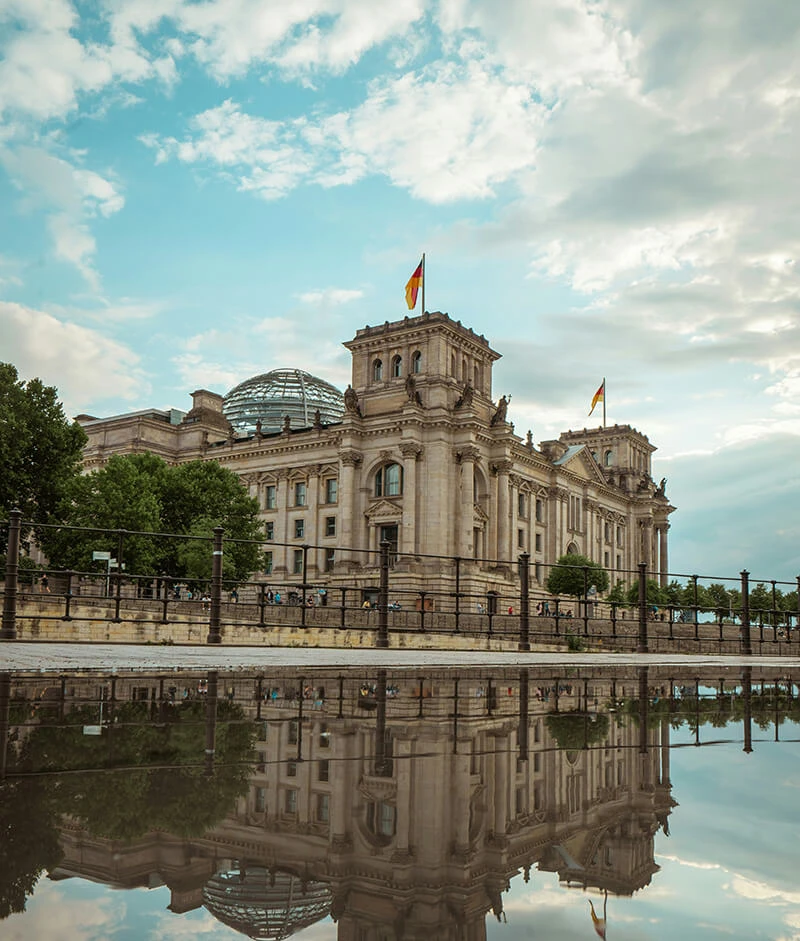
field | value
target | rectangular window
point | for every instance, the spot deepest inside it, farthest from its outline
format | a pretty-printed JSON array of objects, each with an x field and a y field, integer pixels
[
  {"x": 270, "y": 496},
  {"x": 299, "y": 529},
  {"x": 291, "y": 769},
  {"x": 330, "y": 559},
  {"x": 267, "y": 563},
  {"x": 538, "y": 542},
  {"x": 261, "y": 800},
  {"x": 620, "y": 536},
  {"x": 269, "y": 529},
  {"x": 323, "y": 808},
  {"x": 521, "y": 504},
  {"x": 607, "y": 559},
  {"x": 293, "y": 730},
  {"x": 537, "y": 762},
  {"x": 539, "y": 511},
  {"x": 607, "y": 532},
  {"x": 539, "y": 572},
  {"x": 290, "y": 802},
  {"x": 262, "y": 731},
  {"x": 300, "y": 493},
  {"x": 538, "y": 803},
  {"x": 520, "y": 801},
  {"x": 323, "y": 771},
  {"x": 297, "y": 568},
  {"x": 619, "y": 562},
  {"x": 330, "y": 525},
  {"x": 324, "y": 737},
  {"x": 521, "y": 538},
  {"x": 331, "y": 490}
]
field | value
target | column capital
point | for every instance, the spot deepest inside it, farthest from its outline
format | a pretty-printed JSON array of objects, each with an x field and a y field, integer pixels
[
  {"x": 467, "y": 455},
  {"x": 350, "y": 457},
  {"x": 410, "y": 449},
  {"x": 502, "y": 467}
]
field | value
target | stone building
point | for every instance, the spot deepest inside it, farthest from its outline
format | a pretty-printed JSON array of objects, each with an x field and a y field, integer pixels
[{"x": 419, "y": 453}]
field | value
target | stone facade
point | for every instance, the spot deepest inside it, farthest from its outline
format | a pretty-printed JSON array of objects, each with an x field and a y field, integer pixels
[{"x": 427, "y": 460}]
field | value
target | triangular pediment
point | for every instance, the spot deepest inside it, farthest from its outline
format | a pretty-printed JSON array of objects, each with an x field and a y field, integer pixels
[
  {"x": 581, "y": 463},
  {"x": 383, "y": 509},
  {"x": 478, "y": 514}
]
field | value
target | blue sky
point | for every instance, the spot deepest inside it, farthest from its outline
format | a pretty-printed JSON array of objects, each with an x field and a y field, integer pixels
[{"x": 196, "y": 191}]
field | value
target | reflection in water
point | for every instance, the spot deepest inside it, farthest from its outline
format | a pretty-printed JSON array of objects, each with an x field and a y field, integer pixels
[{"x": 399, "y": 804}]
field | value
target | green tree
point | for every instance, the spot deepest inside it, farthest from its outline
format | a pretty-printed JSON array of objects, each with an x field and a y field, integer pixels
[
  {"x": 573, "y": 574},
  {"x": 40, "y": 449},
  {"x": 617, "y": 595},
  {"x": 655, "y": 593},
  {"x": 141, "y": 493}
]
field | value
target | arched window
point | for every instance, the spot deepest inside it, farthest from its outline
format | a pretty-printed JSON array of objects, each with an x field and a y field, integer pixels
[
  {"x": 389, "y": 481},
  {"x": 476, "y": 377},
  {"x": 377, "y": 371},
  {"x": 416, "y": 362},
  {"x": 453, "y": 365},
  {"x": 397, "y": 366},
  {"x": 609, "y": 458},
  {"x": 464, "y": 370}
]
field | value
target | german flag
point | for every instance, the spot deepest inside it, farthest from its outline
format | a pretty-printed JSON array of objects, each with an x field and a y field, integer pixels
[
  {"x": 414, "y": 284},
  {"x": 599, "y": 396}
]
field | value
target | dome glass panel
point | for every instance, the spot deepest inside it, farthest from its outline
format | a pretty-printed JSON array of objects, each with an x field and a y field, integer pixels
[{"x": 270, "y": 397}]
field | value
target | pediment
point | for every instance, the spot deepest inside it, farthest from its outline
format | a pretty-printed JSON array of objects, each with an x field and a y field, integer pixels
[
  {"x": 478, "y": 514},
  {"x": 583, "y": 465},
  {"x": 383, "y": 509}
]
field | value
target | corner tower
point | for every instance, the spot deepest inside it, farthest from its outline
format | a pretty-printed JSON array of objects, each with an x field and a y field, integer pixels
[{"x": 438, "y": 355}]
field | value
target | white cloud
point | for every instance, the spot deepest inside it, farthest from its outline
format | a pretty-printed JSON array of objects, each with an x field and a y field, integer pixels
[
  {"x": 330, "y": 297},
  {"x": 82, "y": 363},
  {"x": 70, "y": 195}
]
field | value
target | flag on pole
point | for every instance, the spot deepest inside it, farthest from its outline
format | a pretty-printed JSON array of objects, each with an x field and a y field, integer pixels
[
  {"x": 414, "y": 284},
  {"x": 598, "y": 923},
  {"x": 599, "y": 396}
]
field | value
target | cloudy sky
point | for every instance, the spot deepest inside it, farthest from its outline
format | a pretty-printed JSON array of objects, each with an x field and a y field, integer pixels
[{"x": 195, "y": 191}]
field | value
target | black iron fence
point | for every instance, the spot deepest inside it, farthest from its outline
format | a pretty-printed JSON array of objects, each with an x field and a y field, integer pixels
[{"x": 386, "y": 593}]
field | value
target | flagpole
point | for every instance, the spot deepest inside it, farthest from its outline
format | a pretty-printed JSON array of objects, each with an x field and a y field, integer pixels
[
  {"x": 604, "y": 400},
  {"x": 423, "y": 282}
]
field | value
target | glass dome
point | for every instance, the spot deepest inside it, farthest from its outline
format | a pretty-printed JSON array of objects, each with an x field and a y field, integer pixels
[
  {"x": 273, "y": 395},
  {"x": 263, "y": 904}
]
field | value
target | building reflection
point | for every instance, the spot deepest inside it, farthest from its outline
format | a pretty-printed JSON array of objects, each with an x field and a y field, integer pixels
[{"x": 402, "y": 806}]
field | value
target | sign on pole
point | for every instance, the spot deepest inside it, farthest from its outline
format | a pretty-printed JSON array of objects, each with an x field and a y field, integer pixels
[{"x": 101, "y": 556}]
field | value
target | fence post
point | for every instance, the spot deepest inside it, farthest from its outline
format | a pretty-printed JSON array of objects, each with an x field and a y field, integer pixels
[
  {"x": 383, "y": 598},
  {"x": 9, "y": 629},
  {"x": 68, "y": 598},
  {"x": 747, "y": 642},
  {"x": 524, "y": 602},
  {"x": 305, "y": 576},
  {"x": 214, "y": 636},
  {"x": 642, "y": 645},
  {"x": 458, "y": 591},
  {"x": 118, "y": 593}
]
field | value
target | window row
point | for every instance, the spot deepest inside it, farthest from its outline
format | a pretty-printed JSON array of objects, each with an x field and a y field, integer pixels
[
  {"x": 396, "y": 366},
  {"x": 300, "y": 493},
  {"x": 300, "y": 528},
  {"x": 297, "y": 561}
]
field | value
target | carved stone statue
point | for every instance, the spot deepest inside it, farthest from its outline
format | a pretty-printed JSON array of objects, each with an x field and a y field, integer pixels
[
  {"x": 529, "y": 440},
  {"x": 351, "y": 401},
  {"x": 287, "y": 424},
  {"x": 411, "y": 390},
  {"x": 499, "y": 416},
  {"x": 258, "y": 428},
  {"x": 662, "y": 488},
  {"x": 317, "y": 420},
  {"x": 465, "y": 399}
]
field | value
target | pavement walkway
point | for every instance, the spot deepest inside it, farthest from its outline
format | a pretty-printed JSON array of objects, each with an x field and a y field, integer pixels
[{"x": 56, "y": 658}]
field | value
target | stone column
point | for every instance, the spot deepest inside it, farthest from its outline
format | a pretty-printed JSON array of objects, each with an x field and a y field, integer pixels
[
  {"x": 280, "y": 564},
  {"x": 503, "y": 541},
  {"x": 313, "y": 533},
  {"x": 663, "y": 554},
  {"x": 412, "y": 452},
  {"x": 348, "y": 462},
  {"x": 502, "y": 756},
  {"x": 466, "y": 513},
  {"x": 403, "y": 766}
]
